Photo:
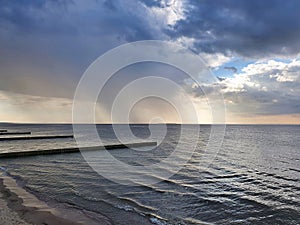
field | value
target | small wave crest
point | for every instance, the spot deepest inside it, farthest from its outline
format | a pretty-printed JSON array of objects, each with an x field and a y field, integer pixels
[
  {"x": 158, "y": 221},
  {"x": 127, "y": 208},
  {"x": 3, "y": 170}
]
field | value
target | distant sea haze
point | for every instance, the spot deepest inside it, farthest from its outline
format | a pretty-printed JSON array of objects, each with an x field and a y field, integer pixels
[{"x": 254, "y": 179}]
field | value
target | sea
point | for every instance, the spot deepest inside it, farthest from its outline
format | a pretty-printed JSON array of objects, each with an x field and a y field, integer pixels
[{"x": 253, "y": 178}]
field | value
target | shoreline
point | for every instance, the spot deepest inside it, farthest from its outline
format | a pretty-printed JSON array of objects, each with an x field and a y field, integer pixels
[{"x": 21, "y": 207}]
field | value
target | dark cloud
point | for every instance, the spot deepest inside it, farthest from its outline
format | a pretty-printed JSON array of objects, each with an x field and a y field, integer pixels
[
  {"x": 221, "y": 78},
  {"x": 248, "y": 28},
  {"x": 51, "y": 43},
  {"x": 64, "y": 29},
  {"x": 110, "y": 4},
  {"x": 58, "y": 18}
]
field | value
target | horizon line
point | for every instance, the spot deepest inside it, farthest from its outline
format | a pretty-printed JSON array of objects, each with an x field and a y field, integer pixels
[{"x": 62, "y": 123}]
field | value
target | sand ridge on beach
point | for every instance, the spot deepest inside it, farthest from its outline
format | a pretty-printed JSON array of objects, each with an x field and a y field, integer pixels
[{"x": 7, "y": 216}]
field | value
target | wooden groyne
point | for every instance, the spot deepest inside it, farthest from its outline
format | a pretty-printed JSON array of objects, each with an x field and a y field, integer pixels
[
  {"x": 35, "y": 137},
  {"x": 14, "y": 133},
  {"x": 72, "y": 150},
  {"x": 3, "y": 131}
]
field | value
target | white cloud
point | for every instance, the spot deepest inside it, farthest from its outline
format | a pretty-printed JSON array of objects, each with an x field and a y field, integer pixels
[
  {"x": 262, "y": 88},
  {"x": 214, "y": 60},
  {"x": 270, "y": 87},
  {"x": 169, "y": 12}
]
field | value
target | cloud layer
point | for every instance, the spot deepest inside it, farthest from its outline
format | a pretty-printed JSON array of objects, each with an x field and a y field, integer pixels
[{"x": 47, "y": 45}]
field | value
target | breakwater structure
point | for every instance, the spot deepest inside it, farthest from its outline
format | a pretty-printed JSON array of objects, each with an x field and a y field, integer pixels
[
  {"x": 14, "y": 133},
  {"x": 76, "y": 149},
  {"x": 35, "y": 137}
]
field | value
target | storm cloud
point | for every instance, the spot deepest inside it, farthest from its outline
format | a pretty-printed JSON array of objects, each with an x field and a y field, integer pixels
[
  {"x": 247, "y": 28},
  {"x": 45, "y": 46},
  {"x": 42, "y": 42}
]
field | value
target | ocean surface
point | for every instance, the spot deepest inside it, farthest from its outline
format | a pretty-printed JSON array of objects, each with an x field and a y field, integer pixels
[{"x": 254, "y": 178}]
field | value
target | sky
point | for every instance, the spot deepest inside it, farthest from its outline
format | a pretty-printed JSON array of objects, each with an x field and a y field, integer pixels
[{"x": 252, "y": 47}]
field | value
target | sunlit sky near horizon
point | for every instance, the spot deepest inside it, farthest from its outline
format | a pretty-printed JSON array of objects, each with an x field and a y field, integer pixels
[{"x": 252, "y": 47}]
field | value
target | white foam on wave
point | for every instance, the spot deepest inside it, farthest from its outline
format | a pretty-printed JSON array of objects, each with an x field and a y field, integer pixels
[
  {"x": 157, "y": 221},
  {"x": 3, "y": 170},
  {"x": 127, "y": 208}
]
